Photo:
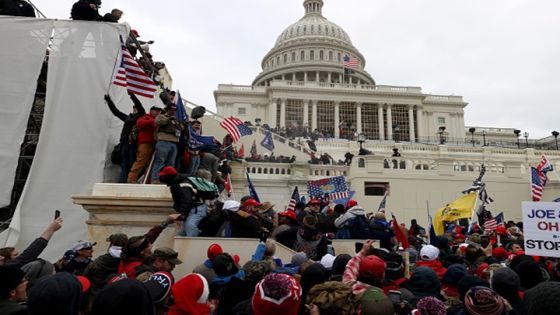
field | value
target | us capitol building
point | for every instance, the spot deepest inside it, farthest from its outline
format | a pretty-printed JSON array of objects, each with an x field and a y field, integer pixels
[{"x": 303, "y": 84}]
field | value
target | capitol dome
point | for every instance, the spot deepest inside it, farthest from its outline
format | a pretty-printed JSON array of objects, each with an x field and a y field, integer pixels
[{"x": 312, "y": 49}]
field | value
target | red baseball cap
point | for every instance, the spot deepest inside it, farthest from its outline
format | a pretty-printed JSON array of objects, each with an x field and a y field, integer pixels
[
  {"x": 288, "y": 214},
  {"x": 251, "y": 202},
  {"x": 213, "y": 251},
  {"x": 500, "y": 253},
  {"x": 351, "y": 203},
  {"x": 372, "y": 267},
  {"x": 167, "y": 171}
]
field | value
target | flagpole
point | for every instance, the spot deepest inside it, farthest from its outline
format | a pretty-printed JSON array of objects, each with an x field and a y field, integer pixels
[
  {"x": 429, "y": 218},
  {"x": 119, "y": 56}
]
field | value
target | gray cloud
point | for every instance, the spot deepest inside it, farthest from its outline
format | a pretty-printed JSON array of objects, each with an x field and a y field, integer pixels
[{"x": 500, "y": 55}]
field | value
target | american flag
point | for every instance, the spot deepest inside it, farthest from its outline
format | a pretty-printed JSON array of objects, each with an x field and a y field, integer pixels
[
  {"x": 334, "y": 188},
  {"x": 235, "y": 127},
  {"x": 132, "y": 77},
  {"x": 490, "y": 225},
  {"x": 536, "y": 184},
  {"x": 544, "y": 167},
  {"x": 293, "y": 200},
  {"x": 351, "y": 62}
]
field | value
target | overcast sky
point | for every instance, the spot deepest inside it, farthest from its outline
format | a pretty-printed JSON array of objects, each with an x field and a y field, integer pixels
[{"x": 502, "y": 56}]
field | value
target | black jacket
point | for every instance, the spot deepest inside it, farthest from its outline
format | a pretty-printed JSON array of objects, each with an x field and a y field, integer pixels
[
  {"x": 30, "y": 253},
  {"x": 182, "y": 194},
  {"x": 129, "y": 120},
  {"x": 248, "y": 226},
  {"x": 99, "y": 272},
  {"x": 16, "y": 8},
  {"x": 82, "y": 11}
]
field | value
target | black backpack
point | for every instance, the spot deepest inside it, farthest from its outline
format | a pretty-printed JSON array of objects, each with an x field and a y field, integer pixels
[{"x": 359, "y": 228}]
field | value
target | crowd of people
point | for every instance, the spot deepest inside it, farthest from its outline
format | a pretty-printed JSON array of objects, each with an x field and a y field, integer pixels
[{"x": 462, "y": 271}]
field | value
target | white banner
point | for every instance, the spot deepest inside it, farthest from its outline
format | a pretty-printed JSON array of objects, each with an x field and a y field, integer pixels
[
  {"x": 75, "y": 136},
  {"x": 541, "y": 228},
  {"x": 24, "y": 45}
]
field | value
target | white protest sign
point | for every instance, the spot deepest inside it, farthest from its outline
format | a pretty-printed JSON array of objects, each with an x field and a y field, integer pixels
[{"x": 541, "y": 228}]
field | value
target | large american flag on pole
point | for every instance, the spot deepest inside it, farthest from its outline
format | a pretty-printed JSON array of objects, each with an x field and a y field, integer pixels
[
  {"x": 351, "y": 62},
  {"x": 235, "y": 127},
  {"x": 132, "y": 77},
  {"x": 334, "y": 188},
  {"x": 536, "y": 184}
]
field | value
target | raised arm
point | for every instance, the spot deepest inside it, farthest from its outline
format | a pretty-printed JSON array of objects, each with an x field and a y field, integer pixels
[
  {"x": 37, "y": 246},
  {"x": 120, "y": 115},
  {"x": 139, "y": 107}
]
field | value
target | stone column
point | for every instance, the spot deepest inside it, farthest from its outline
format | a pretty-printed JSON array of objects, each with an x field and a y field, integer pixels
[
  {"x": 293, "y": 76},
  {"x": 336, "y": 119},
  {"x": 305, "y": 112},
  {"x": 380, "y": 123},
  {"x": 317, "y": 76},
  {"x": 283, "y": 113},
  {"x": 283, "y": 77},
  {"x": 314, "y": 115},
  {"x": 329, "y": 77},
  {"x": 305, "y": 76},
  {"x": 420, "y": 119},
  {"x": 272, "y": 113},
  {"x": 389, "y": 122},
  {"x": 411, "y": 123},
  {"x": 359, "y": 118}
]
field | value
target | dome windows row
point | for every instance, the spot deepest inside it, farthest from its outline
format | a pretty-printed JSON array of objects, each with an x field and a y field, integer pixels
[{"x": 304, "y": 55}]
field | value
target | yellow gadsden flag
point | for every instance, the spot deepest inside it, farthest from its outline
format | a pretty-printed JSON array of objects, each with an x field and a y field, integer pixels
[{"x": 459, "y": 209}]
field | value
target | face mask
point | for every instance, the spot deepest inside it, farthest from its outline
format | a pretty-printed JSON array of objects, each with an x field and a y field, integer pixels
[{"x": 115, "y": 251}]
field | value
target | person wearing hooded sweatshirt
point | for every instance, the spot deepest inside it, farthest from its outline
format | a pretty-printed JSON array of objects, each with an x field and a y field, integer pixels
[
  {"x": 381, "y": 230},
  {"x": 449, "y": 282},
  {"x": 507, "y": 284},
  {"x": 424, "y": 282},
  {"x": 37, "y": 270},
  {"x": 126, "y": 296},
  {"x": 190, "y": 296},
  {"x": 206, "y": 268},
  {"x": 59, "y": 294},
  {"x": 13, "y": 289},
  {"x": 312, "y": 276},
  {"x": 345, "y": 221},
  {"x": 338, "y": 267},
  {"x": 239, "y": 290},
  {"x": 429, "y": 256},
  {"x": 100, "y": 271}
]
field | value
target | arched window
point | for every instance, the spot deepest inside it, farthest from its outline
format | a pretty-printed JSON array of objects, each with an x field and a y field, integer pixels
[
  {"x": 302, "y": 56},
  {"x": 321, "y": 55},
  {"x": 312, "y": 55},
  {"x": 339, "y": 57},
  {"x": 285, "y": 58},
  {"x": 272, "y": 62},
  {"x": 278, "y": 60},
  {"x": 304, "y": 29},
  {"x": 330, "y": 56},
  {"x": 312, "y": 28},
  {"x": 293, "y": 56}
]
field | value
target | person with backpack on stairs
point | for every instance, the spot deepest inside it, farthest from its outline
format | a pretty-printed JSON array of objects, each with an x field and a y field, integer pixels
[{"x": 353, "y": 224}]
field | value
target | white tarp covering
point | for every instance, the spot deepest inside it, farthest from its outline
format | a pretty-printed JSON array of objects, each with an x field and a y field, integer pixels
[
  {"x": 21, "y": 64},
  {"x": 77, "y": 134}
]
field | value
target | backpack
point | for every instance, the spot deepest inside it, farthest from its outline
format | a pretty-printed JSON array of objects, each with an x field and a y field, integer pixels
[
  {"x": 204, "y": 189},
  {"x": 359, "y": 228}
]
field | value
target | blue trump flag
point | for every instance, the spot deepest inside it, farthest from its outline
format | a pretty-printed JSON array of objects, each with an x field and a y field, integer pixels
[
  {"x": 267, "y": 141},
  {"x": 252, "y": 191}
]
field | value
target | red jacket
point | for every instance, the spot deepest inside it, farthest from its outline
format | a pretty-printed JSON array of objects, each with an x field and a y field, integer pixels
[
  {"x": 435, "y": 265},
  {"x": 146, "y": 126}
]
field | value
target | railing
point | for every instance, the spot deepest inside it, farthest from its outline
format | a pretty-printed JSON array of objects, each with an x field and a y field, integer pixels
[
  {"x": 328, "y": 170},
  {"x": 380, "y": 88},
  {"x": 263, "y": 168}
]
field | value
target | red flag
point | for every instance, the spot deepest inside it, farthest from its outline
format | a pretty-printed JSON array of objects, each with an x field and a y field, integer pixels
[
  {"x": 227, "y": 185},
  {"x": 399, "y": 234},
  {"x": 241, "y": 152}
]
